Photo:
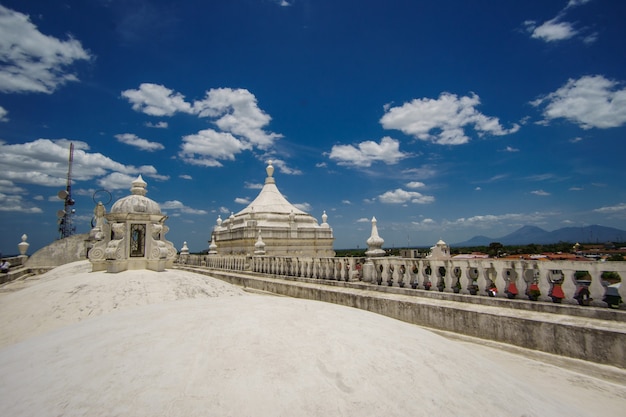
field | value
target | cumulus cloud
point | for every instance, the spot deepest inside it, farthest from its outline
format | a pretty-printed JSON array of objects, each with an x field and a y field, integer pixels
[
  {"x": 157, "y": 100},
  {"x": 425, "y": 224},
  {"x": 32, "y": 61},
  {"x": 45, "y": 162},
  {"x": 590, "y": 101},
  {"x": 208, "y": 147},
  {"x": 556, "y": 29},
  {"x": 116, "y": 181},
  {"x": 400, "y": 196},
  {"x": 235, "y": 112},
  {"x": 137, "y": 142},
  {"x": 17, "y": 203},
  {"x": 551, "y": 30},
  {"x": 3, "y": 114},
  {"x": 180, "y": 207},
  {"x": 368, "y": 152},
  {"x": 415, "y": 184},
  {"x": 443, "y": 120}
]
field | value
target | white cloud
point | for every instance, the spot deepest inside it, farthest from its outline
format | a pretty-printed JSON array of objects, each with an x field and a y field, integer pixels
[
  {"x": 7, "y": 186},
  {"x": 116, "y": 181},
  {"x": 32, "y": 61},
  {"x": 425, "y": 224},
  {"x": 556, "y": 29},
  {"x": 179, "y": 206},
  {"x": 159, "y": 125},
  {"x": 387, "y": 151},
  {"x": 3, "y": 114},
  {"x": 511, "y": 149},
  {"x": 574, "y": 3},
  {"x": 284, "y": 168},
  {"x": 415, "y": 184},
  {"x": 242, "y": 200},
  {"x": 443, "y": 120},
  {"x": 253, "y": 186},
  {"x": 423, "y": 172},
  {"x": 237, "y": 112},
  {"x": 400, "y": 196},
  {"x": 185, "y": 176},
  {"x": 45, "y": 162},
  {"x": 157, "y": 100},
  {"x": 16, "y": 203},
  {"x": 208, "y": 146},
  {"x": 143, "y": 144},
  {"x": 551, "y": 30},
  {"x": 612, "y": 209},
  {"x": 490, "y": 221},
  {"x": 590, "y": 101},
  {"x": 540, "y": 193},
  {"x": 234, "y": 110},
  {"x": 306, "y": 207}
]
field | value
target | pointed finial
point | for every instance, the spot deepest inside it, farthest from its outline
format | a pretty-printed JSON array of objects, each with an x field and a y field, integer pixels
[
  {"x": 138, "y": 187},
  {"x": 269, "y": 169}
]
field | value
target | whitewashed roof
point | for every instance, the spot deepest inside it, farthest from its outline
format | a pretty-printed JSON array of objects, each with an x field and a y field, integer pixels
[{"x": 270, "y": 199}]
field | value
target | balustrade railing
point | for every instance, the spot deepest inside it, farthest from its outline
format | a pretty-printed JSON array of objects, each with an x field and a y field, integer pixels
[{"x": 586, "y": 283}]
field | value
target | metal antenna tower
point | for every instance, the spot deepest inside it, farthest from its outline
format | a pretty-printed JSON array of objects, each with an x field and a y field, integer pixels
[{"x": 65, "y": 216}]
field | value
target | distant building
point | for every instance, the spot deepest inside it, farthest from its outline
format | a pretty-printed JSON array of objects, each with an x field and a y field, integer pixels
[{"x": 271, "y": 225}]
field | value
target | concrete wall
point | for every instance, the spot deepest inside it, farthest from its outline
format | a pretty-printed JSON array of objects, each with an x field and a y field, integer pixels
[{"x": 588, "y": 333}]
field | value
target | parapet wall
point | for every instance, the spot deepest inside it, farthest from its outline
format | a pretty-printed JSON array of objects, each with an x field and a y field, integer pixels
[{"x": 587, "y": 333}]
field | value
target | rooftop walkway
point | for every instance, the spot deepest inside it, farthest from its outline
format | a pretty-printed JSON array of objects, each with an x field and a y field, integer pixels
[{"x": 592, "y": 334}]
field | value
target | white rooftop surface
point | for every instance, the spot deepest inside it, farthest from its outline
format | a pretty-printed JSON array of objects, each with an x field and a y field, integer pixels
[
  {"x": 270, "y": 200},
  {"x": 173, "y": 343}
]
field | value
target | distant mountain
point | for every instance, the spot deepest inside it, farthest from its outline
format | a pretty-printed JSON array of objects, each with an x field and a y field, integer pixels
[{"x": 531, "y": 234}]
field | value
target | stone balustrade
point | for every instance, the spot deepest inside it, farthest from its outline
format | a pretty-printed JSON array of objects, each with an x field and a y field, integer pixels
[{"x": 541, "y": 280}]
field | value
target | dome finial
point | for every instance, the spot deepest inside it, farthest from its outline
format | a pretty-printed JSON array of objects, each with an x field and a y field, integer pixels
[
  {"x": 138, "y": 187},
  {"x": 270, "y": 171}
]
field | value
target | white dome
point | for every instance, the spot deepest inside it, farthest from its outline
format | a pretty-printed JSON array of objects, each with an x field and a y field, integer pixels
[{"x": 137, "y": 202}]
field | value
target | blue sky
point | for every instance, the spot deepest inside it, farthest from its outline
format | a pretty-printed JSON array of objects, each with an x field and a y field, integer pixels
[{"x": 443, "y": 119}]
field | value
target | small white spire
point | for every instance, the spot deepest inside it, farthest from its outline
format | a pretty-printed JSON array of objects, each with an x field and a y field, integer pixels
[{"x": 138, "y": 187}]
